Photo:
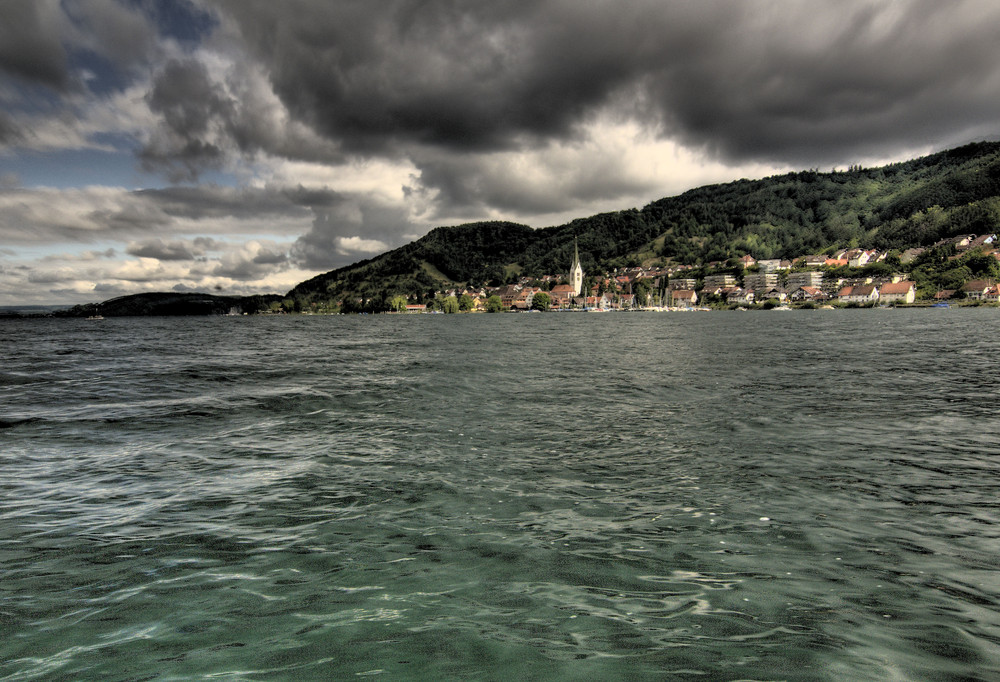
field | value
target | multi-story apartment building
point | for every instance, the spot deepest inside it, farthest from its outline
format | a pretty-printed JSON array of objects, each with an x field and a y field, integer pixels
[
  {"x": 760, "y": 280},
  {"x": 806, "y": 278},
  {"x": 719, "y": 281}
]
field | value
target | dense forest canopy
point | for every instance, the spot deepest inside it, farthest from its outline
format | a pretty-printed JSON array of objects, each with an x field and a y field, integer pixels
[{"x": 914, "y": 203}]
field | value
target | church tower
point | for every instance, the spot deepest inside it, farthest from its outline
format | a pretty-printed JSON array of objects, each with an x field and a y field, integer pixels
[{"x": 576, "y": 271}]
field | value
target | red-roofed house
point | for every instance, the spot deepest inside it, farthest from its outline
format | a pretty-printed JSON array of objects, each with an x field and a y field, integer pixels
[
  {"x": 523, "y": 299},
  {"x": 976, "y": 289},
  {"x": 807, "y": 293},
  {"x": 683, "y": 298},
  {"x": 900, "y": 292},
  {"x": 865, "y": 293}
]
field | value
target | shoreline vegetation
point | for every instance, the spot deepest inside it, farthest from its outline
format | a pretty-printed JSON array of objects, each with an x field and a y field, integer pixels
[{"x": 918, "y": 233}]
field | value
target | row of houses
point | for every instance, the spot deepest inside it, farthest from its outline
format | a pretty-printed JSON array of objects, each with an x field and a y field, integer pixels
[
  {"x": 783, "y": 280},
  {"x": 885, "y": 293},
  {"x": 521, "y": 297}
]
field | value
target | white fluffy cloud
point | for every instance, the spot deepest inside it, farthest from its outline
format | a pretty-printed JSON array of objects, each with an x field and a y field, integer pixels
[{"x": 255, "y": 266}]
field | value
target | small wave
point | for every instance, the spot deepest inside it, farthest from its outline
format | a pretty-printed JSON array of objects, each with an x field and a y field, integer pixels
[
  {"x": 8, "y": 379},
  {"x": 13, "y": 423}
]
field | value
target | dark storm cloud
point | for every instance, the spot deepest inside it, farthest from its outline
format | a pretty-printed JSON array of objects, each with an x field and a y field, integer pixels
[
  {"x": 215, "y": 201},
  {"x": 119, "y": 31},
  {"x": 452, "y": 74},
  {"x": 885, "y": 77},
  {"x": 52, "y": 43},
  {"x": 787, "y": 82},
  {"x": 29, "y": 43},
  {"x": 190, "y": 105},
  {"x": 204, "y": 121},
  {"x": 173, "y": 250},
  {"x": 10, "y": 132}
]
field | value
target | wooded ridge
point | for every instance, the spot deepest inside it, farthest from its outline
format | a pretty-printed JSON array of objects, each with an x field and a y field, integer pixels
[{"x": 895, "y": 207}]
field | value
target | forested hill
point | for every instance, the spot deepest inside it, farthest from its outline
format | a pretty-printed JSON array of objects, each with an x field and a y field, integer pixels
[
  {"x": 914, "y": 203},
  {"x": 173, "y": 303}
]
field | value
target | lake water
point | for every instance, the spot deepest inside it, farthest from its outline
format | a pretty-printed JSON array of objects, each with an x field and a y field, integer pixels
[{"x": 807, "y": 495}]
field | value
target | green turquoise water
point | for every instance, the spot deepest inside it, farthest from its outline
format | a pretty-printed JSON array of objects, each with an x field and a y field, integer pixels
[{"x": 808, "y": 495}]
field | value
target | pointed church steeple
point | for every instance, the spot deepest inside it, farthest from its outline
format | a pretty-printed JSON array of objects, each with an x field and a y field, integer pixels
[{"x": 576, "y": 271}]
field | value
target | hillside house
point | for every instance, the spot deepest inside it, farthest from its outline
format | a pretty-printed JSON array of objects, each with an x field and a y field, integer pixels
[
  {"x": 963, "y": 242},
  {"x": 858, "y": 258},
  {"x": 982, "y": 240},
  {"x": 774, "y": 265},
  {"x": 814, "y": 261}
]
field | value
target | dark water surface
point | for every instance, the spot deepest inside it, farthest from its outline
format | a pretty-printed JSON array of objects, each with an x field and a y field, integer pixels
[{"x": 809, "y": 495}]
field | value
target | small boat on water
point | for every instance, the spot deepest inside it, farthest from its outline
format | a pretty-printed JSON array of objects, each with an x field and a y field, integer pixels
[
  {"x": 96, "y": 317},
  {"x": 940, "y": 305}
]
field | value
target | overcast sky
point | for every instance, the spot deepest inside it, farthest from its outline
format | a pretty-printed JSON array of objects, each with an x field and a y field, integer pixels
[{"x": 241, "y": 146}]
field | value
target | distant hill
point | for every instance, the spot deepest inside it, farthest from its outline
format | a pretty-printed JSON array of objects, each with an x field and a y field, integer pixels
[
  {"x": 902, "y": 205},
  {"x": 914, "y": 203},
  {"x": 30, "y": 310},
  {"x": 172, "y": 304}
]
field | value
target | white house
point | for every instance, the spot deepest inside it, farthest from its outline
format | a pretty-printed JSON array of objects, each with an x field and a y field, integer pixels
[{"x": 901, "y": 292}]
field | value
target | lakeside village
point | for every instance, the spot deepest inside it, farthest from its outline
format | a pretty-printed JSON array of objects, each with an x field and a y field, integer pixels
[{"x": 844, "y": 278}]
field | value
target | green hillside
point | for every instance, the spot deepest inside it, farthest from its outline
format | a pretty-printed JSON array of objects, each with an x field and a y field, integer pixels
[{"x": 914, "y": 203}]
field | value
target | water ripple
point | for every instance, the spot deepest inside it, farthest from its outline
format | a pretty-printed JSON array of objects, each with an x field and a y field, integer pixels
[{"x": 566, "y": 497}]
